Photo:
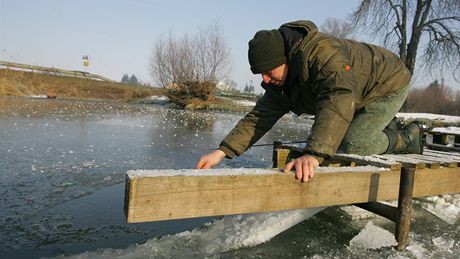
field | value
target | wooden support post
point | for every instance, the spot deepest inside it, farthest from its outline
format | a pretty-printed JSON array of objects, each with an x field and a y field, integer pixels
[
  {"x": 401, "y": 215},
  {"x": 276, "y": 147},
  {"x": 406, "y": 189}
]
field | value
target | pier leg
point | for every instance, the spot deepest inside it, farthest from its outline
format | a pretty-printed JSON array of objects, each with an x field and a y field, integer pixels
[
  {"x": 406, "y": 188},
  {"x": 276, "y": 145}
]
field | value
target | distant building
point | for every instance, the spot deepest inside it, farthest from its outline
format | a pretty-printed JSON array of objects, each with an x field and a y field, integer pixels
[{"x": 222, "y": 86}]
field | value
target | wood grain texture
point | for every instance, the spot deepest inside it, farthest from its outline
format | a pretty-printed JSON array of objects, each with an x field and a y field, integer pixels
[{"x": 153, "y": 198}]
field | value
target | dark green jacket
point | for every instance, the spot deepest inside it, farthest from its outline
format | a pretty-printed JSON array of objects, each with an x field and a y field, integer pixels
[{"x": 328, "y": 77}]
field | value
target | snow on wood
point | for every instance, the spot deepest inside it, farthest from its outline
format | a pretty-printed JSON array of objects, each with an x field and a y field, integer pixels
[
  {"x": 447, "y": 130},
  {"x": 429, "y": 116}
]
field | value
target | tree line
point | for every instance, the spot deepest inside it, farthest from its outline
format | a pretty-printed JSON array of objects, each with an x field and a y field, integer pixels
[
  {"x": 132, "y": 80},
  {"x": 435, "y": 98}
]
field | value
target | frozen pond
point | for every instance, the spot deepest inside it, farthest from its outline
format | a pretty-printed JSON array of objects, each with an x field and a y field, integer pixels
[{"x": 62, "y": 182}]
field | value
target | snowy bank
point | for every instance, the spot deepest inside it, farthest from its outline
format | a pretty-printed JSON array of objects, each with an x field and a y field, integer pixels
[{"x": 156, "y": 99}]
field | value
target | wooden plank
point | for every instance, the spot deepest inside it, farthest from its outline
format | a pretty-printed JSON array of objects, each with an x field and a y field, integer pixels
[
  {"x": 446, "y": 162},
  {"x": 408, "y": 163},
  {"x": 443, "y": 156},
  {"x": 445, "y": 131},
  {"x": 168, "y": 194},
  {"x": 429, "y": 182},
  {"x": 443, "y": 147},
  {"x": 369, "y": 160},
  {"x": 452, "y": 155},
  {"x": 407, "y": 158},
  {"x": 172, "y": 194},
  {"x": 282, "y": 156}
]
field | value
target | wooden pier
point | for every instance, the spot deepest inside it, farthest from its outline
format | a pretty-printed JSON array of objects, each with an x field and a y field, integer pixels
[
  {"x": 444, "y": 139},
  {"x": 153, "y": 195},
  {"x": 433, "y": 173}
]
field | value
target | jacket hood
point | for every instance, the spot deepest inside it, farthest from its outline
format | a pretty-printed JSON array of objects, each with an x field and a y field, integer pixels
[
  {"x": 308, "y": 26},
  {"x": 297, "y": 35}
]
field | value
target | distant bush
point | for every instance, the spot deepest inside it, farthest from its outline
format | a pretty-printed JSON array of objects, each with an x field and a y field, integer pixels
[
  {"x": 191, "y": 61},
  {"x": 435, "y": 98},
  {"x": 191, "y": 92}
]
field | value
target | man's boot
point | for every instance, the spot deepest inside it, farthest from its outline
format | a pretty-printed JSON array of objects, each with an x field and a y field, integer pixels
[{"x": 404, "y": 139}]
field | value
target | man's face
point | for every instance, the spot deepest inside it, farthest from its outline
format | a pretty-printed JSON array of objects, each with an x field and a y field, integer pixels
[{"x": 276, "y": 76}]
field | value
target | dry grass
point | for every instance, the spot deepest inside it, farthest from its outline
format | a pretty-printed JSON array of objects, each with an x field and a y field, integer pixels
[{"x": 20, "y": 83}]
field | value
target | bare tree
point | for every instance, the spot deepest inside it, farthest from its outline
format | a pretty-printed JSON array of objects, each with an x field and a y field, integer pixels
[
  {"x": 337, "y": 28},
  {"x": 404, "y": 25},
  {"x": 204, "y": 57}
]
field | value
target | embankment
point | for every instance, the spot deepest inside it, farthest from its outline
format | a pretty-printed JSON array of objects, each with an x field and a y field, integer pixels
[{"x": 21, "y": 83}]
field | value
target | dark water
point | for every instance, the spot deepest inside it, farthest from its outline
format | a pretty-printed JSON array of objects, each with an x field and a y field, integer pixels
[
  {"x": 62, "y": 181},
  {"x": 64, "y": 163}
]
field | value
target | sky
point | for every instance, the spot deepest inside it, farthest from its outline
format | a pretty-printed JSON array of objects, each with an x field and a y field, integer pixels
[{"x": 119, "y": 35}]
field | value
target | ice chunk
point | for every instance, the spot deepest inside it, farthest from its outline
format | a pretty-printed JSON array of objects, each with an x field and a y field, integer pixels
[
  {"x": 356, "y": 213},
  {"x": 418, "y": 250},
  {"x": 442, "y": 243},
  {"x": 230, "y": 232},
  {"x": 373, "y": 237},
  {"x": 444, "y": 207}
]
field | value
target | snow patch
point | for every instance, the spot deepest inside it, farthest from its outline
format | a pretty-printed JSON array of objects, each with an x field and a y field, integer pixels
[
  {"x": 356, "y": 213},
  {"x": 447, "y": 130},
  {"x": 42, "y": 96},
  {"x": 373, "y": 237},
  {"x": 155, "y": 99},
  {"x": 245, "y": 103}
]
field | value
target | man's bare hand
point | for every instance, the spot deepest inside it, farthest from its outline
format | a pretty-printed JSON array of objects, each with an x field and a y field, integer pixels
[
  {"x": 304, "y": 167},
  {"x": 210, "y": 160}
]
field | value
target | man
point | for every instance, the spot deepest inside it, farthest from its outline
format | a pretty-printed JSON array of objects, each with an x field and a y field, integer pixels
[{"x": 354, "y": 89}]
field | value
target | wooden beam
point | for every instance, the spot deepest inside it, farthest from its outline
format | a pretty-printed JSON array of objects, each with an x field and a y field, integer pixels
[
  {"x": 429, "y": 182},
  {"x": 173, "y": 194}
]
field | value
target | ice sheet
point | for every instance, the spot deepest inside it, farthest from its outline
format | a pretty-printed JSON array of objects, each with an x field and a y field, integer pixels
[
  {"x": 230, "y": 232},
  {"x": 373, "y": 237},
  {"x": 445, "y": 207}
]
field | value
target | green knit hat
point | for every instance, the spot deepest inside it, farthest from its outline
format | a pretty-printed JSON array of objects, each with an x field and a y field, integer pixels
[{"x": 266, "y": 51}]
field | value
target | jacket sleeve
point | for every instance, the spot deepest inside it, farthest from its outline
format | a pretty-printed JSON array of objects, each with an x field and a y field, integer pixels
[
  {"x": 268, "y": 110},
  {"x": 336, "y": 101}
]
